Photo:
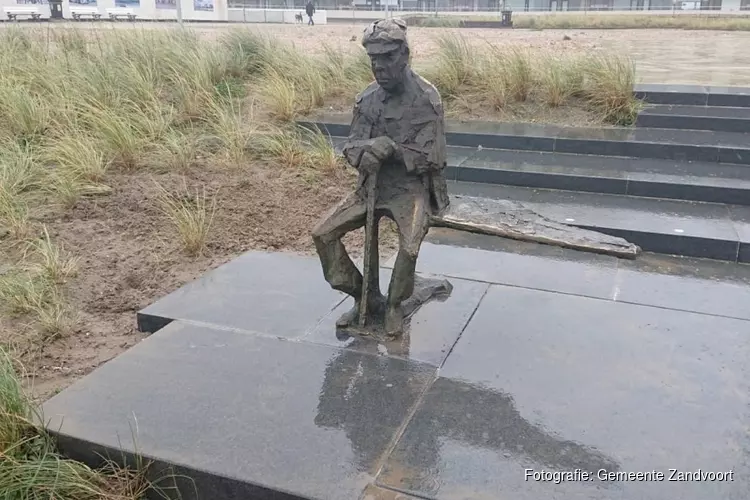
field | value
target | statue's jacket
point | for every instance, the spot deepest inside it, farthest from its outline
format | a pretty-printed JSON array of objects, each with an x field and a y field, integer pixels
[{"x": 417, "y": 126}]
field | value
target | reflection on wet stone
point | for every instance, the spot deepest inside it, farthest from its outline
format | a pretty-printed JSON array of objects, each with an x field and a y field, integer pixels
[
  {"x": 355, "y": 381},
  {"x": 479, "y": 418}
]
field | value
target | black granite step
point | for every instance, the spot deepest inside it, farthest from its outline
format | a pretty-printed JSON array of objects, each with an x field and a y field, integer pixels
[
  {"x": 695, "y": 181},
  {"x": 687, "y": 228},
  {"x": 697, "y": 95},
  {"x": 656, "y": 143},
  {"x": 720, "y": 119}
]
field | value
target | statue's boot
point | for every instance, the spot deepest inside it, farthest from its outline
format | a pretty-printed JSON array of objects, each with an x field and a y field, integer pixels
[
  {"x": 351, "y": 317},
  {"x": 394, "y": 320}
]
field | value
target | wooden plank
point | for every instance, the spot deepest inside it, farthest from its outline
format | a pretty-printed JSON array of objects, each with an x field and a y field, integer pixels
[{"x": 509, "y": 219}]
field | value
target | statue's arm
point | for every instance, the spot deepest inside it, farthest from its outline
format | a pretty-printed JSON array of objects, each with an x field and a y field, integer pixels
[
  {"x": 359, "y": 137},
  {"x": 427, "y": 152}
]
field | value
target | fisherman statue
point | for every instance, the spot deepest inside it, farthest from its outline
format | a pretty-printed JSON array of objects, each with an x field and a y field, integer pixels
[{"x": 397, "y": 144}]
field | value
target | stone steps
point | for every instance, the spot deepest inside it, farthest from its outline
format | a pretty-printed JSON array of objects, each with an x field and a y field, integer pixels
[
  {"x": 653, "y": 143},
  {"x": 694, "y": 95},
  {"x": 692, "y": 181},
  {"x": 719, "y": 119},
  {"x": 678, "y": 183}
]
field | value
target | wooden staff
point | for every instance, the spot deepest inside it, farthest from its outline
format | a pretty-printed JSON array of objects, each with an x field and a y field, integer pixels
[{"x": 370, "y": 232}]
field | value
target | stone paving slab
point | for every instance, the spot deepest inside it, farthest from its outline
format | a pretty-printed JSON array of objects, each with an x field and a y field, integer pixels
[
  {"x": 698, "y": 285},
  {"x": 309, "y": 420},
  {"x": 432, "y": 330},
  {"x": 566, "y": 383},
  {"x": 251, "y": 292},
  {"x": 497, "y": 379}
]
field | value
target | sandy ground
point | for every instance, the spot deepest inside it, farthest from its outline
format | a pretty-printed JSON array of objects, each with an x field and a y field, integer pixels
[
  {"x": 130, "y": 256},
  {"x": 662, "y": 56}
]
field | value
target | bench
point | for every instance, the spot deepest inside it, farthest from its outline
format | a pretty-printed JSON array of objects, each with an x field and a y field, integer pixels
[
  {"x": 14, "y": 12},
  {"x": 79, "y": 12},
  {"x": 121, "y": 12}
]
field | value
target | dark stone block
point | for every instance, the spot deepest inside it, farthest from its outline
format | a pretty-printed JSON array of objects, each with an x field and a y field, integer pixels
[
  {"x": 250, "y": 413},
  {"x": 734, "y": 155},
  {"x": 497, "y": 260},
  {"x": 431, "y": 331},
  {"x": 741, "y": 220},
  {"x": 541, "y": 179},
  {"x": 674, "y": 244},
  {"x": 457, "y": 155},
  {"x": 721, "y": 97},
  {"x": 744, "y": 253},
  {"x": 331, "y": 127},
  {"x": 672, "y": 94},
  {"x": 450, "y": 173},
  {"x": 680, "y": 152},
  {"x": 694, "y": 192},
  {"x": 636, "y": 149},
  {"x": 693, "y": 123},
  {"x": 590, "y": 147},
  {"x": 567, "y": 390},
  {"x": 705, "y": 286},
  {"x": 665, "y": 226},
  {"x": 254, "y": 292},
  {"x": 501, "y": 141}
]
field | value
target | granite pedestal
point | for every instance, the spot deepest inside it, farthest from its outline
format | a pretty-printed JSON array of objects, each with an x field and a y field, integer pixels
[{"x": 542, "y": 360}]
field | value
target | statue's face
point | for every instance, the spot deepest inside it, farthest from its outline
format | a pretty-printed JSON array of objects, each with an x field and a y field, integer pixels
[{"x": 389, "y": 68}]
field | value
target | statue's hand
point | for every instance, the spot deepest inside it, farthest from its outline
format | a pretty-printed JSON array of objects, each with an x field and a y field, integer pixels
[
  {"x": 382, "y": 148},
  {"x": 369, "y": 163}
]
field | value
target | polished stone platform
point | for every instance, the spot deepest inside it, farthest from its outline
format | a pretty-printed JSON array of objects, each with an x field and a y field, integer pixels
[{"x": 542, "y": 358}]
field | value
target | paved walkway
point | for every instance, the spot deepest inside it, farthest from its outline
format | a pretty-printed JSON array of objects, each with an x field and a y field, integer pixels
[{"x": 546, "y": 374}]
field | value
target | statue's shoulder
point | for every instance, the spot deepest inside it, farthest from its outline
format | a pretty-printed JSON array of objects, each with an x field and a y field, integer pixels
[
  {"x": 430, "y": 92},
  {"x": 366, "y": 94}
]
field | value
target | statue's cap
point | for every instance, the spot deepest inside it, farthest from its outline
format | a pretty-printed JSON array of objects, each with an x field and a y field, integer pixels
[{"x": 384, "y": 36}]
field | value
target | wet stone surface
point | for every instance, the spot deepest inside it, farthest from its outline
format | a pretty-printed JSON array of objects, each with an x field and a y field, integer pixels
[
  {"x": 430, "y": 334},
  {"x": 541, "y": 358},
  {"x": 273, "y": 293},
  {"x": 307, "y": 419},
  {"x": 618, "y": 388}
]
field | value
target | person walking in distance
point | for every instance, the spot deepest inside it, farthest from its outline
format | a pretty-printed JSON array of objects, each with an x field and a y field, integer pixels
[{"x": 310, "y": 9}]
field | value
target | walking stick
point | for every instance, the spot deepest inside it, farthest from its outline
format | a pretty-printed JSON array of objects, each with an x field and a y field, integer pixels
[{"x": 370, "y": 229}]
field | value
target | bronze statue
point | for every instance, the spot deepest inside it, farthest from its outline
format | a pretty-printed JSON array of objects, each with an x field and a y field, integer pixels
[{"x": 397, "y": 143}]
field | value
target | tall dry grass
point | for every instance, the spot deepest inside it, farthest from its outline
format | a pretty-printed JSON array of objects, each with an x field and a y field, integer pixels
[
  {"x": 30, "y": 466},
  {"x": 191, "y": 214},
  {"x": 497, "y": 76}
]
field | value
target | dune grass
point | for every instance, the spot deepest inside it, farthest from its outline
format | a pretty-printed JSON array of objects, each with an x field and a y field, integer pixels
[
  {"x": 191, "y": 213},
  {"x": 603, "y": 82},
  {"x": 32, "y": 469}
]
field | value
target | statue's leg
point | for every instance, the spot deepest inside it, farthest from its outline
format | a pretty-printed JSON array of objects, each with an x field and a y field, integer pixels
[
  {"x": 338, "y": 268},
  {"x": 412, "y": 218}
]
